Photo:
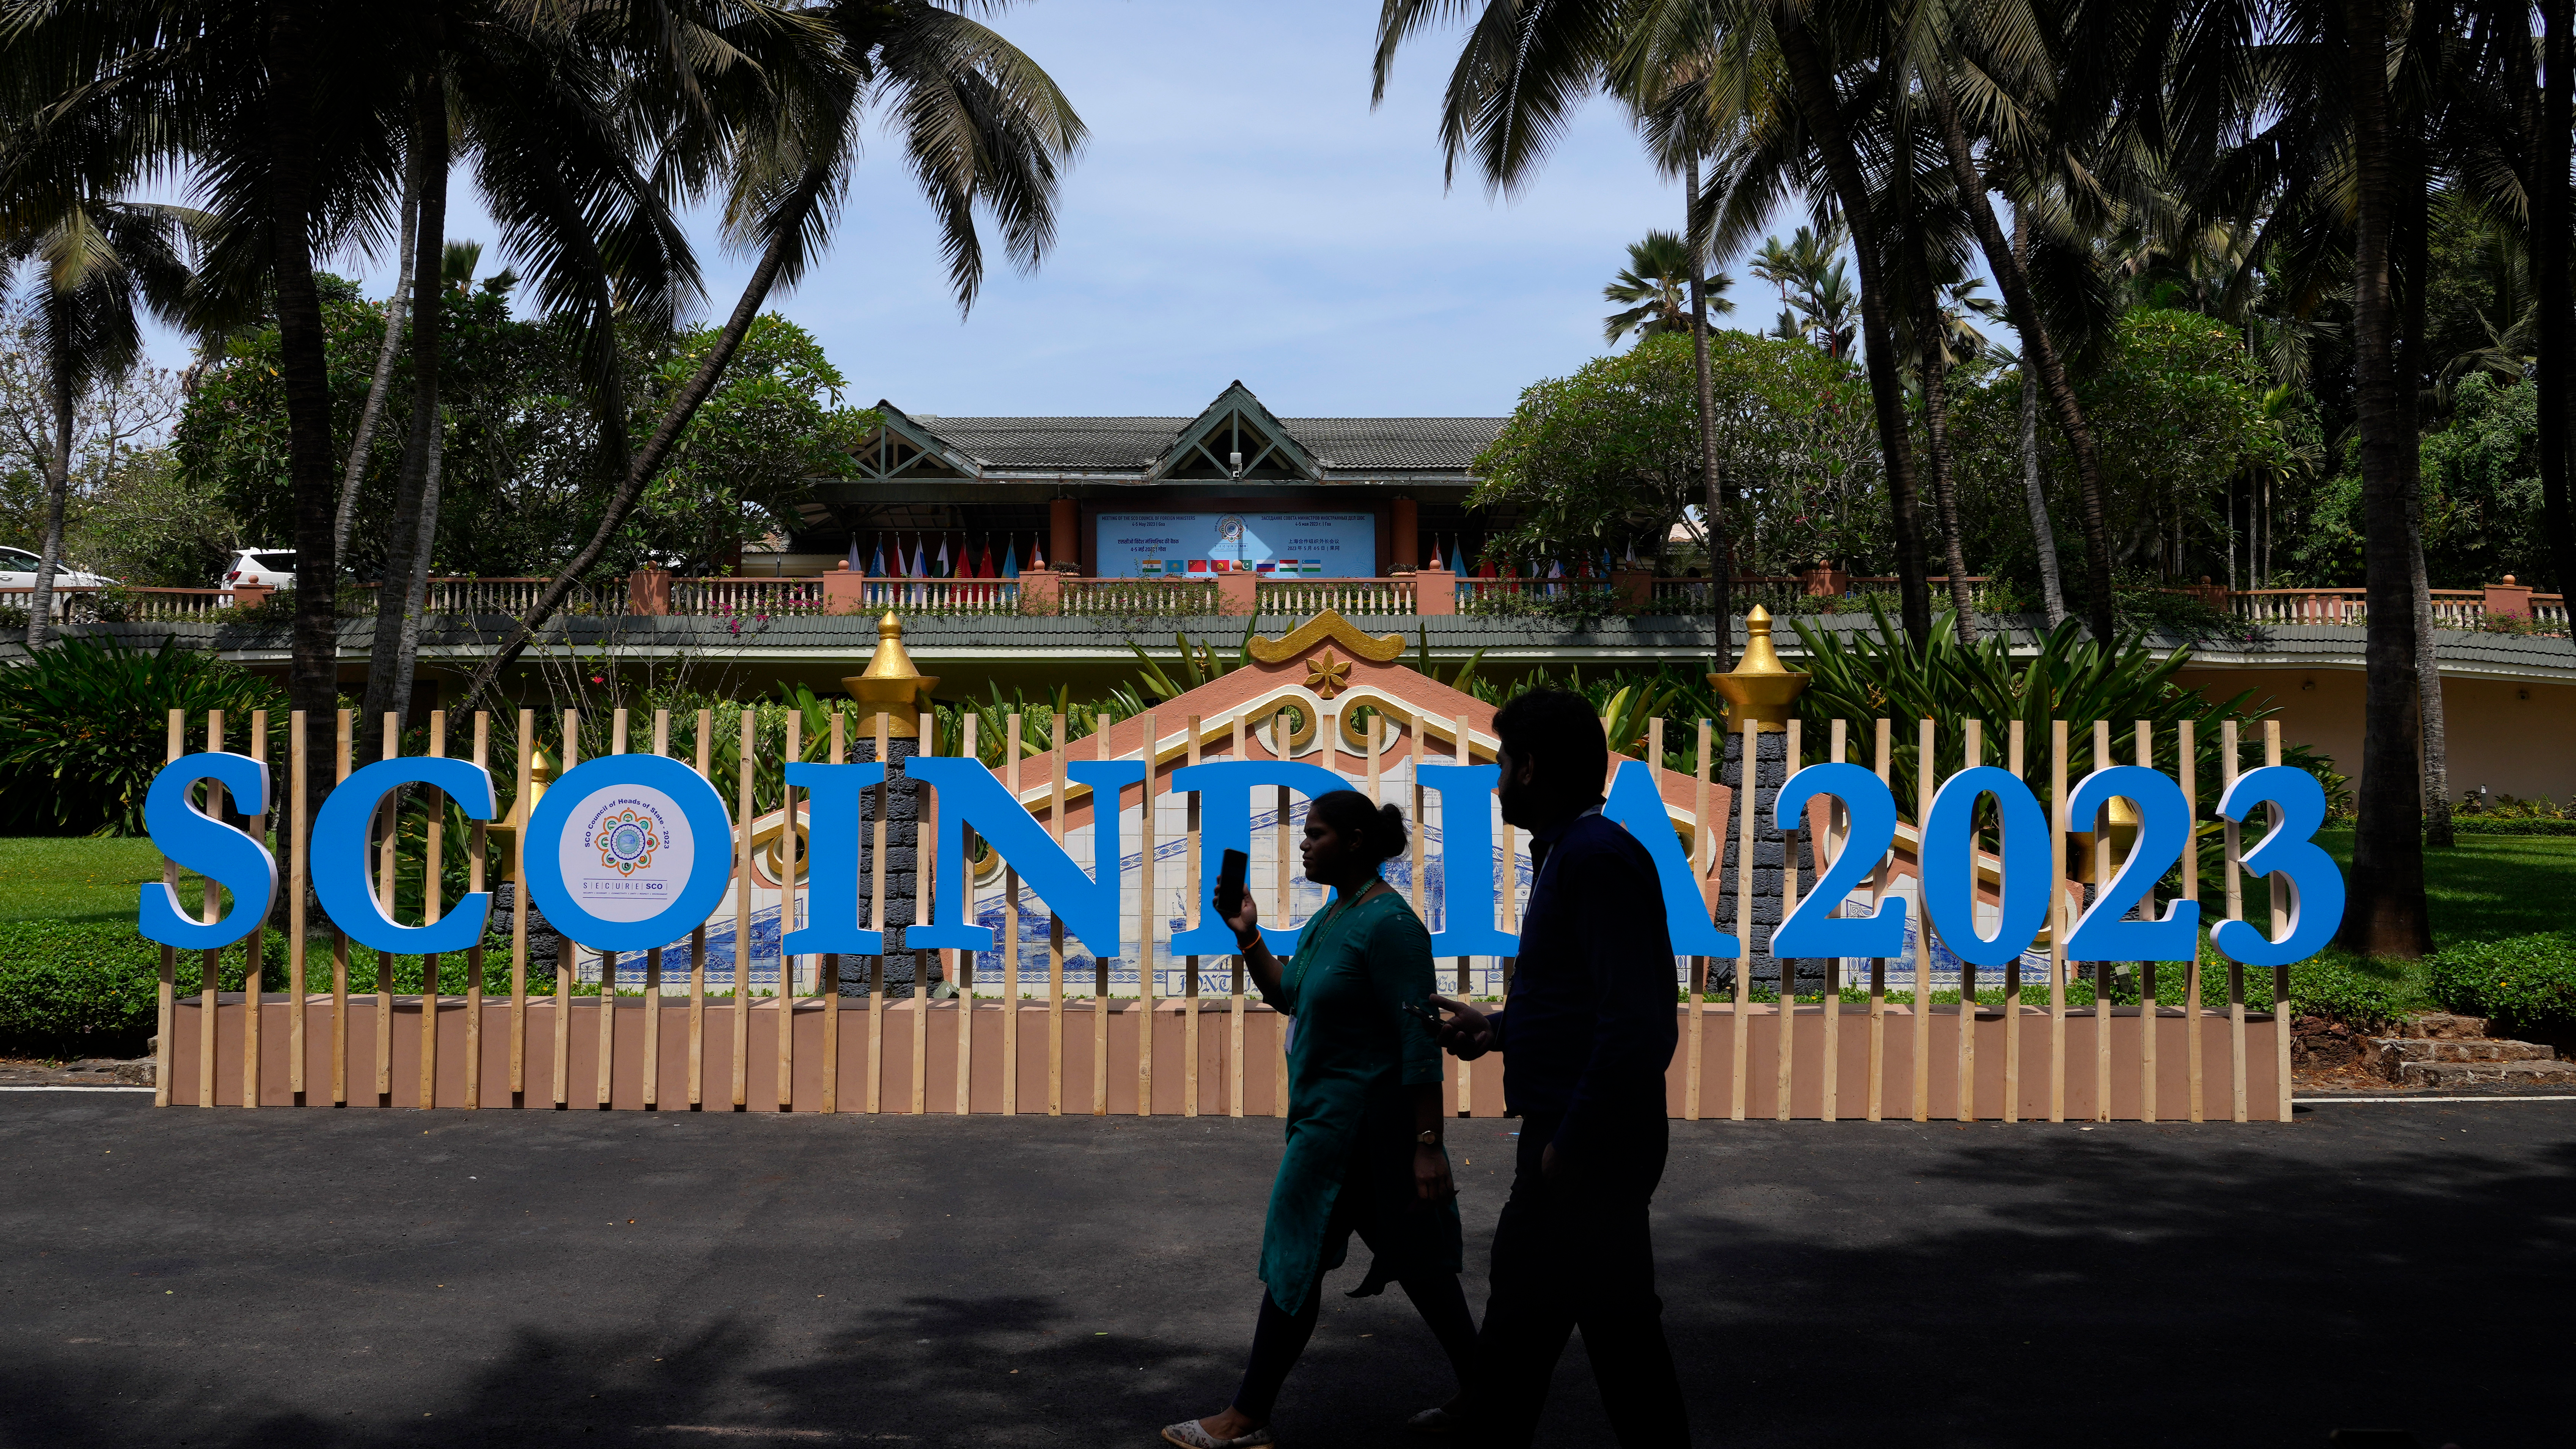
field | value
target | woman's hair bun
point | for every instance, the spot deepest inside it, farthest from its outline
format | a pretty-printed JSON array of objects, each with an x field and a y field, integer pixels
[{"x": 1388, "y": 834}]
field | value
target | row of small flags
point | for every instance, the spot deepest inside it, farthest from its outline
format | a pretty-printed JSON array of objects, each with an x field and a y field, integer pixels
[
  {"x": 924, "y": 564},
  {"x": 1155, "y": 568}
]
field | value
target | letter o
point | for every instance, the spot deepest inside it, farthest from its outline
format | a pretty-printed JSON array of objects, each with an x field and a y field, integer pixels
[{"x": 709, "y": 874}]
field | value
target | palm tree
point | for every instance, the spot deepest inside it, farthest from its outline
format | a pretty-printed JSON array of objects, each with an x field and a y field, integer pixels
[
  {"x": 96, "y": 264},
  {"x": 982, "y": 125},
  {"x": 1656, "y": 285},
  {"x": 1809, "y": 272}
]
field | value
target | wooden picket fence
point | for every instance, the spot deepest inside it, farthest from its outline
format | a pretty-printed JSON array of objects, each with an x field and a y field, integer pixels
[{"x": 680, "y": 1046}]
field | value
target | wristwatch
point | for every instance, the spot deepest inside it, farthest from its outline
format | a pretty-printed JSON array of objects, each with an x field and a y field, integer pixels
[{"x": 1428, "y": 1137}]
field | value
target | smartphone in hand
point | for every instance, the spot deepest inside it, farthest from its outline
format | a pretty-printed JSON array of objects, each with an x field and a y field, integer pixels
[{"x": 1229, "y": 883}]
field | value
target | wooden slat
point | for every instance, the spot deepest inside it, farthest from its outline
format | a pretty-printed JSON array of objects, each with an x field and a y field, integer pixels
[
  {"x": 747, "y": 764},
  {"x": 1748, "y": 785},
  {"x": 2227, "y": 758},
  {"x": 606, "y": 1016},
  {"x": 1925, "y": 768},
  {"x": 298, "y": 877},
  {"x": 1879, "y": 882},
  {"x": 964, "y": 961},
  {"x": 2147, "y": 1028},
  {"x": 345, "y": 729},
  {"x": 1190, "y": 914},
  {"x": 165, "y": 998},
  {"x": 1706, "y": 845},
  {"x": 1100, "y": 963},
  {"x": 2280, "y": 974},
  {"x": 1234, "y": 996},
  {"x": 251, "y": 978},
  {"x": 705, "y": 764},
  {"x": 433, "y": 866},
  {"x": 2058, "y": 920},
  {"x": 524, "y": 784},
  {"x": 2016, "y": 741},
  {"x": 1837, "y": 835},
  {"x": 652, "y": 1062},
  {"x": 1011, "y": 935},
  {"x": 210, "y": 909},
  {"x": 1785, "y": 1053},
  {"x": 875, "y": 1096},
  {"x": 1460, "y": 737},
  {"x": 787, "y": 858},
  {"x": 831, "y": 961},
  {"x": 1144, "y": 931},
  {"x": 1055, "y": 933},
  {"x": 391, "y": 736},
  {"x": 2187, "y": 765},
  {"x": 565, "y": 964},
  {"x": 1279, "y": 1059},
  {"x": 926, "y": 839},
  {"x": 476, "y": 849},
  {"x": 1964, "y": 1084},
  {"x": 2101, "y": 969}
]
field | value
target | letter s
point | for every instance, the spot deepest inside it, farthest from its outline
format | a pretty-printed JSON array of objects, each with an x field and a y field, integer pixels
[{"x": 199, "y": 842}]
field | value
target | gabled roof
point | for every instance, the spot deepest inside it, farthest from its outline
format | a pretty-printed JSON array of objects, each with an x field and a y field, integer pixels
[{"x": 1276, "y": 450}]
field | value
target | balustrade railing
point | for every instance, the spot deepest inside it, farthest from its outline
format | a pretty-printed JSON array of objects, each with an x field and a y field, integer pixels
[
  {"x": 88, "y": 603},
  {"x": 720, "y": 598},
  {"x": 1130, "y": 598},
  {"x": 1346, "y": 596}
]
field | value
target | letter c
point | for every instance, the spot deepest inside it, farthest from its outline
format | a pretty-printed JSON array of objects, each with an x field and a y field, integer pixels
[{"x": 340, "y": 855}]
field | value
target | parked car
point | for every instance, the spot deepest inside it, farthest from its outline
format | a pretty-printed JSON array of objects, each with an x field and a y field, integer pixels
[
  {"x": 18, "y": 571},
  {"x": 274, "y": 567}
]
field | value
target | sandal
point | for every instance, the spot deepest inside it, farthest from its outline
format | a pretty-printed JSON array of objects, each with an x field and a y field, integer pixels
[{"x": 1189, "y": 1435}]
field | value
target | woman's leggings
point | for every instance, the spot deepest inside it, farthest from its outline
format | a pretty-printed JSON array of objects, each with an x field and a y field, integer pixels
[{"x": 1279, "y": 1337}]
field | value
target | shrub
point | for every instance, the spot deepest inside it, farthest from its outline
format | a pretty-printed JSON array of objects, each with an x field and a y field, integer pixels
[
  {"x": 2489, "y": 825},
  {"x": 2526, "y": 981},
  {"x": 91, "y": 988},
  {"x": 85, "y": 725}
]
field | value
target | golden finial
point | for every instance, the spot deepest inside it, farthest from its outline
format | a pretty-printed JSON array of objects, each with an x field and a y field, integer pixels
[
  {"x": 889, "y": 686},
  {"x": 1760, "y": 687}
]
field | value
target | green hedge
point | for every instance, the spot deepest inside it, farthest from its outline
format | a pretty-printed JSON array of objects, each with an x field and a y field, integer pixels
[
  {"x": 2511, "y": 825},
  {"x": 2527, "y": 981},
  {"x": 90, "y": 989}
]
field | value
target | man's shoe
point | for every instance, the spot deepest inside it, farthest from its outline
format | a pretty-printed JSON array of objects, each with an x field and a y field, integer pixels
[
  {"x": 1434, "y": 1420},
  {"x": 1189, "y": 1435}
]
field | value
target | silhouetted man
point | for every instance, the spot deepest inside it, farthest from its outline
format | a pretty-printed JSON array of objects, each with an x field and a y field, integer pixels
[{"x": 1586, "y": 1032}]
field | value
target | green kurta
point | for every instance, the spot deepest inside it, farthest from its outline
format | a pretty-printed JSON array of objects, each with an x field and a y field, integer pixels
[{"x": 1352, "y": 1053}]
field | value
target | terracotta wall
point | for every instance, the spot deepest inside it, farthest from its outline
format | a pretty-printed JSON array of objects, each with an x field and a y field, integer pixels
[{"x": 847, "y": 1072}]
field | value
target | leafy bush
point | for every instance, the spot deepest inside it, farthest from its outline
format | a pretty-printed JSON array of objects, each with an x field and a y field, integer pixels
[
  {"x": 91, "y": 988},
  {"x": 2527, "y": 980},
  {"x": 2490, "y": 825},
  {"x": 85, "y": 725}
]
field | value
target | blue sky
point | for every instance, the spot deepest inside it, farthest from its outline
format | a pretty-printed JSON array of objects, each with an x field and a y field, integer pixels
[{"x": 1240, "y": 212}]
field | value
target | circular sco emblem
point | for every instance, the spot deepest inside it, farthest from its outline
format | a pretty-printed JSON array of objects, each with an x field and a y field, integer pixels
[
  {"x": 1230, "y": 528},
  {"x": 638, "y": 850}
]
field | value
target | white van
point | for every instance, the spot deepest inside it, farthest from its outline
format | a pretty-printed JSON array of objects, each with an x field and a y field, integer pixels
[{"x": 274, "y": 567}]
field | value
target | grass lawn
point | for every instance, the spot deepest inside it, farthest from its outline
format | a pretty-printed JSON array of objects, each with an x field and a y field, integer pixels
[
  {"x": 2491, "y": 887},
  {"x": 54, "y": 879}
]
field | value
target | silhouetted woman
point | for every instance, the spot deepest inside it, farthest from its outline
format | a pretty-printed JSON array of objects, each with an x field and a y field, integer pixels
[{"x": 1364, "y": 1117}]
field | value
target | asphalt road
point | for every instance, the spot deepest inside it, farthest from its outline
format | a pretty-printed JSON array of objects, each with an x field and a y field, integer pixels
[{"x": 290, "y": 1277}]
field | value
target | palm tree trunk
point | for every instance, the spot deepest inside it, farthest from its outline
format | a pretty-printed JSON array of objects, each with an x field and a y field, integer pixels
[
  {"x": 2386, "y": 914},
  {"x": 2550, "y": 288},
  {"x": 58, "y": 467},
  {"x": 640, "y": 470},
  {"x": 313, "y": 666},
  {"x": 1821, "y": 109},
  {"x": 1936, "y": 454},
  {"x": 2043, "y": 535},
  {"x": 2412, "y": 248},
  {"x": 1721, "y": 557},
  {"x": 376, "y": 386},
  {"x": 2037, "y": 349},
  {"x": 389, "y": 663}
]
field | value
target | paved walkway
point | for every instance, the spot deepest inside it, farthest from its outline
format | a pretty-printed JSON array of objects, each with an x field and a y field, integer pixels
[{"x": 397, "y": 1278}]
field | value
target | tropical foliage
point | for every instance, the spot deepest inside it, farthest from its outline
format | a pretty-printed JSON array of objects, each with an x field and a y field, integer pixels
[{"x": 84, "y": 726}]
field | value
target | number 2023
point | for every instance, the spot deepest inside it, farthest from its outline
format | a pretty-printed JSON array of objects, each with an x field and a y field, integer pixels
[{"x": 2102, "y": 933}]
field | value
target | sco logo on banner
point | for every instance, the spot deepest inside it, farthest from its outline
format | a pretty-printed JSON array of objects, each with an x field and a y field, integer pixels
[{"x": 629, "y": 852}]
